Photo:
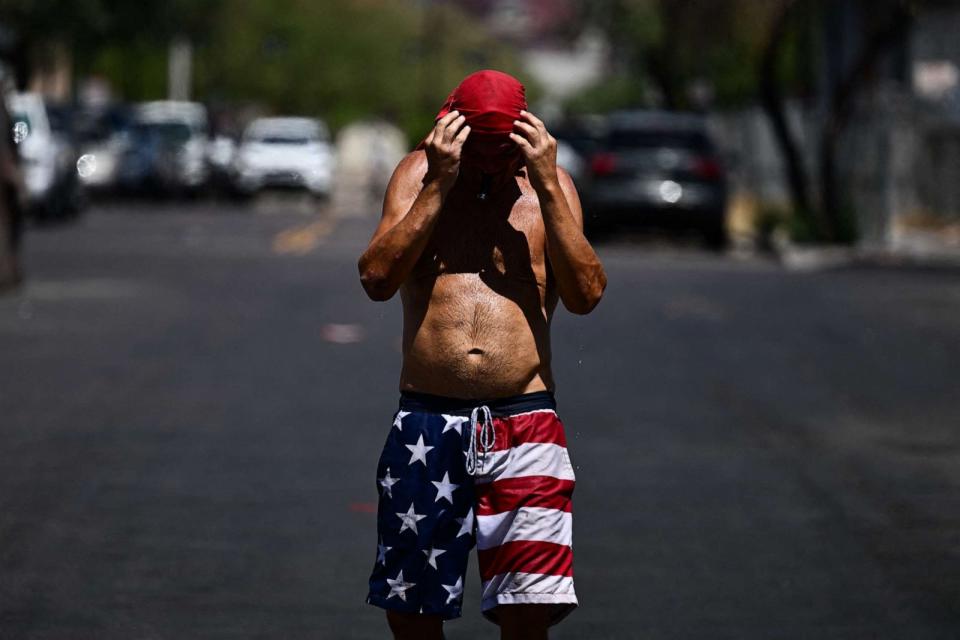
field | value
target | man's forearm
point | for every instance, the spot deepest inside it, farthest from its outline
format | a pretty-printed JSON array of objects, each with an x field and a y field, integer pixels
[
  {"x": 579, "y": 274},
  {"x": 389, "y": 260}
]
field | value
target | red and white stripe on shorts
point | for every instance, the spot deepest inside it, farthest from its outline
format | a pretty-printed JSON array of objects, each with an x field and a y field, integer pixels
[{"x": 524, "y": 514}]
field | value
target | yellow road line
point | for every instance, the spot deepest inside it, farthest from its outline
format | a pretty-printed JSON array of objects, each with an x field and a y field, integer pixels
[{"x": 301, "y": 240}]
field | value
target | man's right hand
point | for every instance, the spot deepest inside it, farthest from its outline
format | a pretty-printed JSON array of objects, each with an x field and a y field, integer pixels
[{"x": 443, "y": 147}]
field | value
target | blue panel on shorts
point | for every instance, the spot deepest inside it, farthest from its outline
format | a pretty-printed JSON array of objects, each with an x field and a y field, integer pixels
[{"x": 425, "y": 520}]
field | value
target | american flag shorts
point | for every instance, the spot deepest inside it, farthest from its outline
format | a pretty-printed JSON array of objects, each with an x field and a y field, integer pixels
[{"x": 457, "y": 473}]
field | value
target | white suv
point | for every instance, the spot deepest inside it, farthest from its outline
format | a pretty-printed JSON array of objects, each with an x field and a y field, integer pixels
[
  {"x": 284, "y": 152},
  {"x": 49, "y": 161}
]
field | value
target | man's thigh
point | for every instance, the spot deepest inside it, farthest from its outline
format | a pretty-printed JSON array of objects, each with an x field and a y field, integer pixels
[
  {"x": 524, "y": 621},
  {"x": 414, "y": 626}
]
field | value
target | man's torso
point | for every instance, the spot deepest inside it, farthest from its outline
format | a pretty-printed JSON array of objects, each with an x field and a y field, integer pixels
[{"x": 478, "y": 303}]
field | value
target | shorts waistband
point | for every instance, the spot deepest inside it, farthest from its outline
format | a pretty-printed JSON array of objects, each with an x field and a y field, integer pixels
[{"x": 506, "y": 406}]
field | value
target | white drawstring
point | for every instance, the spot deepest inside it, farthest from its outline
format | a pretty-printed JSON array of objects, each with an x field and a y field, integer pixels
[{"x": 488, "y": 437}]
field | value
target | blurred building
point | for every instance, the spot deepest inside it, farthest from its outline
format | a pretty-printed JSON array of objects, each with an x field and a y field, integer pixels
[
  {"x": 935, "y": 56},
  {"x": 524, "y": 22},
  {"x": 899, "y": 153},
  {"x": 557, "y": 54}
]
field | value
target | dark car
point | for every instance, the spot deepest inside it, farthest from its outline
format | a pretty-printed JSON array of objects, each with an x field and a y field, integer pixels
[
  {"x": 103, "y": 134},
  {"x": 152, "y": 158},
  {"x": 63, "y": 125},
  {"x": 654, "y": 168}
]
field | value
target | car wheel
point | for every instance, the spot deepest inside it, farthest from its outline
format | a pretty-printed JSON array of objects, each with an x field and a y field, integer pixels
[{"x": 715, "y": 236}]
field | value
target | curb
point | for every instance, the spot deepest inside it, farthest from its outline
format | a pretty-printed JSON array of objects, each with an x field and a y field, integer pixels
[
  {"x": 823, "y": 257},
  {"x": 814, "y": 258}
]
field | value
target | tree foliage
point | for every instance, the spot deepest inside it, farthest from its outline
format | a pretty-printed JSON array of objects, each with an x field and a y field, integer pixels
[
  {"x": 89, "y": 27},
  {"x": 664, "y": 47},
  {"x": 344, "y": 59}
]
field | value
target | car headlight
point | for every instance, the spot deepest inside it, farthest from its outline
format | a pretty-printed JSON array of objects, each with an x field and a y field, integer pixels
[{"x": 86, "y": 165}]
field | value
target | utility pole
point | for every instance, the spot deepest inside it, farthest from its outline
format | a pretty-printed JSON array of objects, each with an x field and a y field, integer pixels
[{"x": 179, "y": 68}]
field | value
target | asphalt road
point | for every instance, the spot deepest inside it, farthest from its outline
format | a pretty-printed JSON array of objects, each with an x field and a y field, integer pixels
[{"x": 192, "y": 403}]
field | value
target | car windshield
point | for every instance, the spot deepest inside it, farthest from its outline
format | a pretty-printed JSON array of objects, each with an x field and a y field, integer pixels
[
  {"x": 658, "y": 139},
  {"x": 581, "y": 141},
  {"x": 170, "y": 132},
  {"x": 100, "y": 127},
  {"x": 93, "y": 132},
  {"x": 282, "y": 138}
]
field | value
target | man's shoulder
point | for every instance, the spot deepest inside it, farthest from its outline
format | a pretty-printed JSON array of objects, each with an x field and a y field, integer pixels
[
  {"x": 413, "y": 164},
  {"x": 566, "y": 182},
  {"x": 407, "y": 179}
]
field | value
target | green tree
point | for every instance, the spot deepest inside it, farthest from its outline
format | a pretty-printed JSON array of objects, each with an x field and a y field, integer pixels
[
  {"x": 344, "y": 59},
  {"x": 882, "y": 25},
  {"x": 102, "y": 32},
  {"x": 667, "y": 45},
  {"x": 341, "y": 59}
]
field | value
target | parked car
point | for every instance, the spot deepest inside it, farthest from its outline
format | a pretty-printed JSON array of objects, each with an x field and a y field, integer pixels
[
  {"x": 577, "y": 141},
  {"x": 287, "y": 153},
  {"x": 48, "y": 158},
  {"x": 145, "y": 164},
  {"x": 570, "y": 160},
  {"x": 168, "y": 149},
  {"x": 103, "y": 136},
  {"x": 657, "y": 168}
]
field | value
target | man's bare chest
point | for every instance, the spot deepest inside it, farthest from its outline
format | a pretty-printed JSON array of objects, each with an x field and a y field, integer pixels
[{"x": 475, "y": 237}]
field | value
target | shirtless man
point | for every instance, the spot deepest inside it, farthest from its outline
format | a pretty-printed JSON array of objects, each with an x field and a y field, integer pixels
[{"x": 481, "y": 234}]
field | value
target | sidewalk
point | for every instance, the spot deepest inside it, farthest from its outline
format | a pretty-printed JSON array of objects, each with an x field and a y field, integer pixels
[{"x": 908, "y": 248}]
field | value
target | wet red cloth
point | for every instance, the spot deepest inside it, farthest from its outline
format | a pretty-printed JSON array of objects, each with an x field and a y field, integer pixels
[{"x": 490, "y": 101}]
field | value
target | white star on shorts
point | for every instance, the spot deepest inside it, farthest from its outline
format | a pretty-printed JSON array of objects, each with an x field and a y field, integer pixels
[
  {"x": 445, "y": 488},
  {"x": 398, "y": 587},
  {"x": 454, "y": 590},
  {"x": 382, "y": 553},
  {"x": 387, "y": 483},
  {"x": 419, "y": 451},
  {"x": 398, "y": 421},
  {"x": 432, "y": 554},
  {"x": 466, "y": 524},
  {"x": 453, "y": 423},
  {"x": 410, "y": 519}
]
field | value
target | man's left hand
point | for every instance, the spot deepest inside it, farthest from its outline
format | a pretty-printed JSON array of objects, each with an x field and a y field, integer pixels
[{"x": 539, "y": 149}]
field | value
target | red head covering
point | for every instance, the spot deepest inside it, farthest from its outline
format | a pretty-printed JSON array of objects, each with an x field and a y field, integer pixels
[{"x": 490, "y": 101}]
